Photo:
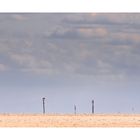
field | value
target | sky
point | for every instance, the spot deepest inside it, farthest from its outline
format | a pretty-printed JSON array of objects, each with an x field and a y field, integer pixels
[{"x": 70, "y": 59}]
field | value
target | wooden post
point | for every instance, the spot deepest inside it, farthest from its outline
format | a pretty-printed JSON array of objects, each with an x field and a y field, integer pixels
[
  {"x": 43, "y": 99},
  {"x": 75, "y": 109},
  {"x": 92, "y": 106}
]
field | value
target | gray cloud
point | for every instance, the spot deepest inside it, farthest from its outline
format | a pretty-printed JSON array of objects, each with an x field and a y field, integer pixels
[
  {"x": 54, "y": 48},
  {"x": 79, "y": 33},
  {"x": 3, "y": 67},
  {"x": 19, "y": 17},
  {"x": 105, "y": 19}
]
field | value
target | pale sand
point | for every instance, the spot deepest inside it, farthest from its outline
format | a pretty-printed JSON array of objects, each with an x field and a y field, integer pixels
[{"x": 67, "y": 120}]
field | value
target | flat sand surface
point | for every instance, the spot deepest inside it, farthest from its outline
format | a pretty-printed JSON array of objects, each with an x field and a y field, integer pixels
[{"x": 67, "y": 120}]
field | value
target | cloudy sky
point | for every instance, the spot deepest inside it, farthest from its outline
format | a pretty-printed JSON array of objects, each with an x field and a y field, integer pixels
[{"x": 69, "y": 59}]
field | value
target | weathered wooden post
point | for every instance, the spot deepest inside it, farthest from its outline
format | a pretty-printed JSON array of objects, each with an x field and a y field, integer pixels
[
  {"x": 92, "y": 106},
  {"x": 43, "y": 99},
  {"x": 75, "y": 109}
]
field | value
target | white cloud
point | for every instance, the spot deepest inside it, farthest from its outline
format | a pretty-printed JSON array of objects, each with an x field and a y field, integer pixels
[
  {"x": 79, "y": 33},
  {"x": 93, "y": 32},
  {"x": 30, "y": 63},
  {"x": 114, "y": 18},
  {"x": 23, "y": 59},
  {"x": 127, "y": 37},
  {"x": 40, "y": 71}
]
